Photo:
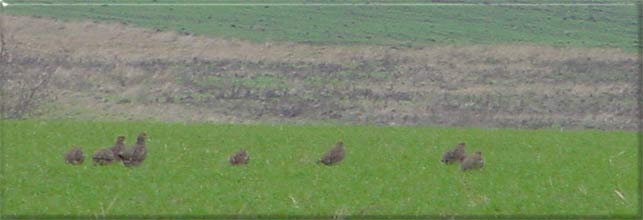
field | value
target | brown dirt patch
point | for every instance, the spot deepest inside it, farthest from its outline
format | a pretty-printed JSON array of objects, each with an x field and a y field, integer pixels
[{"x": 118, "y": 71}]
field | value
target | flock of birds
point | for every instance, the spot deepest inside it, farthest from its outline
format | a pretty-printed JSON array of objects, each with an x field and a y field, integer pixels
[
  {"x": 459, "y": 155},
  {"x": 135, "y": 155},
  {"x": 130, "y": 157}
]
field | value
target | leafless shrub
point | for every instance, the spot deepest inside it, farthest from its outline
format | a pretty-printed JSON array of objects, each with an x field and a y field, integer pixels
[
  {"x": 23, "y": 81},
  {"x": 24, "y": 87}
]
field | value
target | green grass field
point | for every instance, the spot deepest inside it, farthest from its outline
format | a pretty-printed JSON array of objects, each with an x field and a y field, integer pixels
[
  {"x": 583, "y": 26},
  {"x": 388, "y": 170}
]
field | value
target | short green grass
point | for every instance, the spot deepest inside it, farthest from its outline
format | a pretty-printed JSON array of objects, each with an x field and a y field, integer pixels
[
  {"x": 388, "y": 170},
  {"x": 583, "y": 26}
]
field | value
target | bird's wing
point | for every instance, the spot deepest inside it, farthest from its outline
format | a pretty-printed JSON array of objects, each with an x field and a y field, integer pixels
[{"x": 126, "y": 153}]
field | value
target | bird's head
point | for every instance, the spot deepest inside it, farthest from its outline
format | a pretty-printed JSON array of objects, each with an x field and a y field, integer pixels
[
  {"x": 242, "y": 151},
  {"x": 141, "y": 138}
]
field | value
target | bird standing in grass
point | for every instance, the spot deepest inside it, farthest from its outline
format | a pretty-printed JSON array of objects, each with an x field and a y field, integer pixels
[
  {"x": 136, "y": 155},
  {"x": 333, "y": 156},
  {"x": 103, "y": 156},
  {"x": 240, "y": 158},
  {"x": 118, "y": 147},
  {"x": 75, "y": 156},
  {"x": 456, "y": 155},
  {"x": 473, "y": 162}
]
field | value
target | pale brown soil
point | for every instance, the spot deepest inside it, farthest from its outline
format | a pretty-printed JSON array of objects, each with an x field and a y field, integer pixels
[{"x": 115, "y": 71}]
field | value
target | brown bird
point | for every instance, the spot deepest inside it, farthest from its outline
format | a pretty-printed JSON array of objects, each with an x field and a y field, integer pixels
[
  {"x": 456, "y": 155},
  {"x": 103, "y": 156},
  {"x": 75, "y": 156},
  {"x": 136, "y": 155},
  {"x": 118, "y": 147},
  {"x": 473, "y": 162},
  {"x": 333, "y": 156},
  {"x": 240, "y": 158}
]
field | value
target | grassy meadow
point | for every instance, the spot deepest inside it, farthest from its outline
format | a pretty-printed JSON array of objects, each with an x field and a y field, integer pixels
[
  {"x": 578, "y": 26},
  {"x": 388, "y": 170}
]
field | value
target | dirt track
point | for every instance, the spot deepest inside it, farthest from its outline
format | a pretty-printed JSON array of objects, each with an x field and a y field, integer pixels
[{"x": 115, "y": 71}]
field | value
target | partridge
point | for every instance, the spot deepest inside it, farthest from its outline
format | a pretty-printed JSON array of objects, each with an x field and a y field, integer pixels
[
  {"x": 136, "y": 155},
  {"x": 472, "y": 162},
  {"x": 103, "y": 156},
  {"x": 118, "y": 147},
  {"x": 457, "y": 154},
  {"x": 240, "y": 158},
  {"x": 335, "y": 155},
  {"x": 75, "y": 156}
]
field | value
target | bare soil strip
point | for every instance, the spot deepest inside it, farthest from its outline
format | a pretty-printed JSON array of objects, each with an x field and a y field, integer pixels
[{"x": 116, "y": 71}]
